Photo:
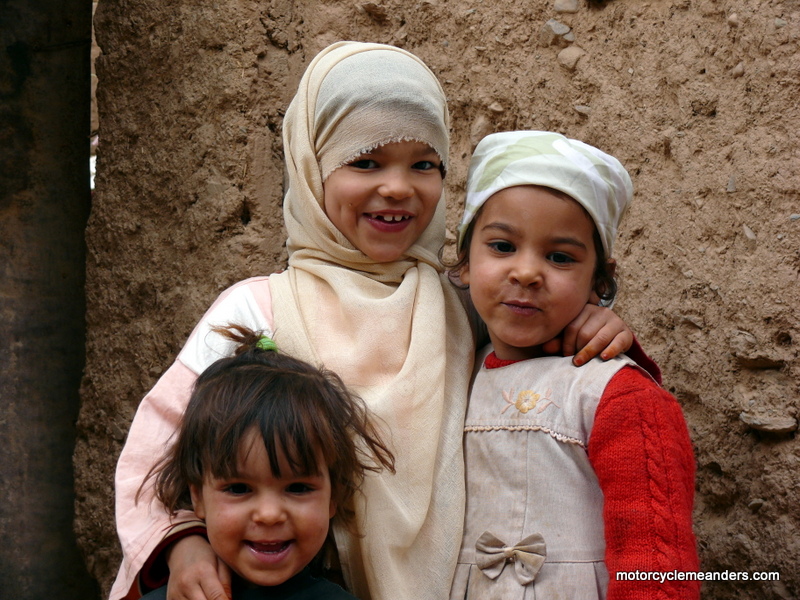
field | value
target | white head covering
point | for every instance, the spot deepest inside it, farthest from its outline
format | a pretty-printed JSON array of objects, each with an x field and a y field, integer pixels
[
  {"x": 596, "y": 180},
  {"x": 395, "y": 332}
]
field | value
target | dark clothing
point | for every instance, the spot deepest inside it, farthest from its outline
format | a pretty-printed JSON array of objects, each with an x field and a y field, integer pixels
[{"x": 302, "y": 586}]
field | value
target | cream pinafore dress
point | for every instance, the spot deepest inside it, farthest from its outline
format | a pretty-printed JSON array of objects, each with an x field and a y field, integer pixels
[{"x": 534, "y": 520}]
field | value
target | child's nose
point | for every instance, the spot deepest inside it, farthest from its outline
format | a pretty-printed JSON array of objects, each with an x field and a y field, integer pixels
[
  {"x": 396, "y": 185},
  {"x": 527, "y": 271},
  {"x": 269, "y": 510}
]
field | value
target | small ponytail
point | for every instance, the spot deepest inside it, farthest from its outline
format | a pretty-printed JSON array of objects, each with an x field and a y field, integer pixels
[{"x": 247, "y": 339}]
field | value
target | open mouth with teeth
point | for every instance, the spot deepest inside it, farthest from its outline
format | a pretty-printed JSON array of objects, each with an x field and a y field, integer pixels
[
  {"x": 270, "y": 549},
  {"x": 388, "y": 218}
]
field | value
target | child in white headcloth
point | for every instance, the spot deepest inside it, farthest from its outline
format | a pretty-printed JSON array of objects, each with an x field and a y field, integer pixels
[
  {"x": 366, "y": 145},
  {"x": 573, "y": 474}
]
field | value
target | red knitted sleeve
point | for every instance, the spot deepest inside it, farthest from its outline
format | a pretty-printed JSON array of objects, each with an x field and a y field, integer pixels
[{"x": 641, "y": 451}]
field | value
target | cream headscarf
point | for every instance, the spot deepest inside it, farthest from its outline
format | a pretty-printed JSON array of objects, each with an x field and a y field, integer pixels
[{"x": 395, "y": 332}]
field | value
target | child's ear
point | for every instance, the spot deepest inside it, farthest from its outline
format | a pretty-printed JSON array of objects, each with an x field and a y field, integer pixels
[
  {"x": 601, "y": 282},
  {"x": 332, "y": 509},
  {"x": 197, "y": 501}
]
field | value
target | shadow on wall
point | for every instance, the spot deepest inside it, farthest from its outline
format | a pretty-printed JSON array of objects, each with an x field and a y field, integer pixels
[{"x": 44, "y": 78}]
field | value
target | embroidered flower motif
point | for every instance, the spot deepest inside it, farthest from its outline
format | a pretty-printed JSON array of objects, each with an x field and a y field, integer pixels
[{"x": 527, "y": 400}]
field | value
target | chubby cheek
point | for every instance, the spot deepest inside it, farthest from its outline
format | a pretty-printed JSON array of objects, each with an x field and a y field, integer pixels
[
  {"x": 334, "y": 195},
  {"x": 583, "y": 288},
  {"x": 333, "y": 210},
  {"x": 483, "y": 277},
  {"x": 433, "y": 197}
]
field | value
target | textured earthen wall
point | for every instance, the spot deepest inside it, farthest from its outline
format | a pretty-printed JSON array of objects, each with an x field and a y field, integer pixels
[{"x": 696, "y": 97}]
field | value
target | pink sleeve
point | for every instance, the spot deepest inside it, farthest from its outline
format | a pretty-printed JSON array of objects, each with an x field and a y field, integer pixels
[
  {"x": 142, "y": 525},
  {"x": 642, "y": 455}
]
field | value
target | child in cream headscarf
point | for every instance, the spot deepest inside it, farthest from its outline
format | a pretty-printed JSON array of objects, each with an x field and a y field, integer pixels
[
  {"x": 366, "y": 144},
  {"x": 573, "y": 474}
]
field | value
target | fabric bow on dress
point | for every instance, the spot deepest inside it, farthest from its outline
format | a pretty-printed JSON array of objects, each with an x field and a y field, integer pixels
[{"x": 492, "y": 554}]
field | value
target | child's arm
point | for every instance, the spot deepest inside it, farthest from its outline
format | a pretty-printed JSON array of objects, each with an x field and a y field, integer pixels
[
  {"x": 641, "y": 452},
  {"x": 196, "y": 573},
  {"x": 142, "y": 522},
  {"x": 597, "y": 330}
]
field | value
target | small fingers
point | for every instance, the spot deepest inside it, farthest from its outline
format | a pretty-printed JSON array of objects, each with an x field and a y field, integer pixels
[
  {"x": 604, "y": 345},
  {"x": 214, "y": 590},
  {"x": 599, "y": 331},
  {"x": 194, "y": 571},
  {"x": 592, "y": 348},
  {"x": 224, "y": 574},
  {"x": 579, "y": 331},
  {"x": 201, "y": 583},
  {"x": 621, "y": 343},
  {"x": 182, "y": 590}
]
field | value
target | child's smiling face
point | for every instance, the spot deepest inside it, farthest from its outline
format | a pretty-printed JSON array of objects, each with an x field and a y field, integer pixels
[
  {"x": 265, "y": 528},
  {"x": 384, "y": 200},
  {"x": 531, "y": 267}
]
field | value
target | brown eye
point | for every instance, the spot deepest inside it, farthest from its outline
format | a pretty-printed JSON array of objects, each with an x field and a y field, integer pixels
[
  {"x": 364, "y": 163},
  {"x": 560, "y": 258},
  {"x": 237, "y": 489},
  {"x": 299, "y": 488},
  {"x": 502, "y": 247}
]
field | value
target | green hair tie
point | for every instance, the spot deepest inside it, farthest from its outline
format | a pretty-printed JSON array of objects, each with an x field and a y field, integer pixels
[{"x": 266, "y": 344}]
